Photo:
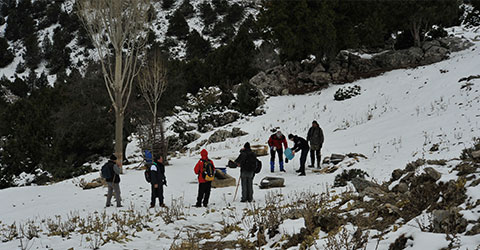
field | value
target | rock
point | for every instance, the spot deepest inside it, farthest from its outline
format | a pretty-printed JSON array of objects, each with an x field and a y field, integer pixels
[
  {"x": 285, "y": 92},
  {"x": 361, "y": 184},
  {"x": 454, "y": 44},
  {"x": 320, "y": 77},
  {"x": 336, "y": 158},
  {"x": 223, "y": 180},
  {"x": 98, "y": 182},
  {"x": 435, "y": 54},
  {"x": 402, "y": 187},
  {"x": 434, "y": 174},
  {"x": 448, "y": 221},
  {"x": 399, "y": 58},
  {"x": 397, "y": 174},
  {"x": 372, "y": 191},
  {"x": 476, "y": 154},
  {"x": 222, "y": 135},
  {"x": 391, "y": 208},
  {"x": 207, "y": 121},
  {"x": 260, "y": 150},
  {"x": 270, "y": 182}
]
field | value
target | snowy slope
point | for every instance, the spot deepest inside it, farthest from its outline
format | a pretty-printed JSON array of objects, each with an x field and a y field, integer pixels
[{"x": 396, "y": 119}]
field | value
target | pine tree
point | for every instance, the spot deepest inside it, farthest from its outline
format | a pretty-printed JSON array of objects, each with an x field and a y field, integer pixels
[
  {"x": 32, "y": 54},
  {"x": 186, "y": 9},
  {"x": 207, "y": 14},
  {"x": 6, "y": 55},
  {"x": 197, "y": 46},
  {"x": 167, "y": 4},
  {"x": 178, "y": 26}
]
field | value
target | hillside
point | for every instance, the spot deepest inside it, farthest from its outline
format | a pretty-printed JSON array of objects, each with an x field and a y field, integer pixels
[{"x": 398, "y": 118}]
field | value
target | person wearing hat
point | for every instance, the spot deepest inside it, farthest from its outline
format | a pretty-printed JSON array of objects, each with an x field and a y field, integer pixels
[
  {"x": 248, "y": 162},
  {"x": 113, "y": 182},
  {"x": 300, "y": 144},
  {"x": 315, "y": 137},
  {"x": 277, "y": 142}
]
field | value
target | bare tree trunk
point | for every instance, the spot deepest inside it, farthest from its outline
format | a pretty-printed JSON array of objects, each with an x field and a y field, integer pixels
[{"x": 163, "y": 145}]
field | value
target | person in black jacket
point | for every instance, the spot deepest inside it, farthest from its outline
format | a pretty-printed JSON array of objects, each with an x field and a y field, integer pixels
[
  {"x": 113, "y": 183},
  {"x": 315, "y": 137},
  {"x": 300, "y": 144},
  {"x": 248, "y": 162},
  {"x": 158, "y": 179}
]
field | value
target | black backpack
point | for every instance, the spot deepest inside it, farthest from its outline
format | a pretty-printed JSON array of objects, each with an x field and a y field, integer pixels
[
  {"x": 208, "y": 173},
  {"x": 107, "y": 171},
  {"x": 148, "y": 174},
  {"x": 251, "y": 161},
  {"x": 258, "y": 166}
]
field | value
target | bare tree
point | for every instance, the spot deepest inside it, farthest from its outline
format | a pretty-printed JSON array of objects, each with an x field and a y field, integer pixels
[
  {"x": 118, "y": 31},
  {"x": 152, "y": 83}
]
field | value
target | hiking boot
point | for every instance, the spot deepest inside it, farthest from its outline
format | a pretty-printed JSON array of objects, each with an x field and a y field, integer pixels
[
  {"x": 310, "y": 166},
  {"x": 197, "y": 205},
  {"x": 152, "y": 206},
  {"x": 283, "y": 170},
  {"x": 298, "y": 171},
  {"x": 301, "y": 174},
  {"x": 119, "y": 206},
  {"x": 162, "y": 205},
  {"x": 243, "y": 200},
  {"x": 107, "y": 205}
]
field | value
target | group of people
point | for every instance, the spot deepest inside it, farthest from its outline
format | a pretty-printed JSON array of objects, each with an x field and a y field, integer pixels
[
  {"x": 278, "y": 143},
  {"x": 247, "y": 161}
]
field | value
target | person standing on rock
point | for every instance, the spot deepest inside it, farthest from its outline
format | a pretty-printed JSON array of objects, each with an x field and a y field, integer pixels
[
  {"x": 277, "y": 142},
  {"x": 113, "y": 181},
  {"x": 315, "y": 137},
  {"x": 300, "y": 144},
  {"x": 158, "y": 179},
  {"x": 204, "y": 186},
  {"x": 248, "y": 162}
]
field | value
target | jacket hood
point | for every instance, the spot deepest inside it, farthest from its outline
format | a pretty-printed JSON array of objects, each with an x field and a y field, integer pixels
[{"x": 204, "y": 154}]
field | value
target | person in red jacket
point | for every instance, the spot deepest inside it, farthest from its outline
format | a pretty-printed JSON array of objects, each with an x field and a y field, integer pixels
[
  {"x": 204, "y": 186},
  {"x": 275, "y": 142}
]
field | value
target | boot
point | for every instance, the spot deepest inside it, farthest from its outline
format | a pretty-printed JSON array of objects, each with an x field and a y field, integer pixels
[
  {"x": 319, "y": 165},
  {"x": 281, "y": 167},
  {"x": 272, "y": 166}
]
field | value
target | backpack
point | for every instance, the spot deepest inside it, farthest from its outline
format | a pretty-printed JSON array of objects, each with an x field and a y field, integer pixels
[
  {"x": 106, "y": 172},
  {"x": 148, "y": 174},
  {"x": 251, "y": 162},
  {"x": 208, "y": 173},
  {"x": 258, "y": 166}
]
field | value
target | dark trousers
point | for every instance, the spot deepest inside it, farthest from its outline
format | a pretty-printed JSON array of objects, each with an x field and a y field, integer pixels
[
  {"x": 157, "y": 193},
  {"x": 314, "y": 153},
  {"x": 303, "y": 159},
  {"x": 204, "y": 193},
  {"x": 279, "y": 151},
  {"x": 247, "y": 185}
]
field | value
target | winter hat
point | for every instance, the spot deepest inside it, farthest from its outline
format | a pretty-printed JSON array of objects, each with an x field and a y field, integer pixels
[
  {"x": 290, "y": 136},
  {"x": 204, "y": 154},
  {"x": 113, "y": 157},
  {"x": 246, "y": 146},
  {"x": 315, "y": 122}
]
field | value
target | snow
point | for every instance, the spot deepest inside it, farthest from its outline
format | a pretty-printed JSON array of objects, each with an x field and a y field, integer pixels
[{"x": 395, "y": 120}]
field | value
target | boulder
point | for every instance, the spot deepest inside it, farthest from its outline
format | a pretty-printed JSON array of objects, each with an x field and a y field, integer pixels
[
  {"x": 336, "y": 158},
  {"x": 223, "y": 180},
  {"x": 476, "y": 154},
  {"x": 434, "y": 174},
  {"x": 397, "y": 174},
  {"x": 402, "y": 187},
  {"x": 434, "y": 54},
  {"x": 222, "y": 135},
  {"x": 361, "y": 184},
  {"x": 454, "y": 44},
  {"x": 98, "y": 182},
  {"x": 271, "y": 182},
  {"x": 260, "y": 150}
]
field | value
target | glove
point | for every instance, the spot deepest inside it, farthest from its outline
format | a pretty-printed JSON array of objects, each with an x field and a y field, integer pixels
[
  {"x": 286, "y": 160},
  {"x": 274, "y": 148}
]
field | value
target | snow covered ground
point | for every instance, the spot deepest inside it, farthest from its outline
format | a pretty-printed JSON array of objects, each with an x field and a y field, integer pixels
[{"x": 397, "y": 118}]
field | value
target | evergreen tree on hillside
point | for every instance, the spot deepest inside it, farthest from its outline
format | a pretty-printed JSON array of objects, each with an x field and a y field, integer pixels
[
  {"x": 186, "y": 9},
  {"x": 197, "y": 46},
  {"x": 221, "y": 6},
  {"x": 235, "y": 13},
  {"x": 167, "y": 4},
  {"x": 300, "y": 28},
  {"x": 6, "y": 55},
  {"x": 207, "y": 14},
  {"x": 32, "y": 51},
  {"x": 178, "y": 26}
]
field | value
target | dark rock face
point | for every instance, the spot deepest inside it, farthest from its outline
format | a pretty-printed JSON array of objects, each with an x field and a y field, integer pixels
[{"x": 297, "y": 78}]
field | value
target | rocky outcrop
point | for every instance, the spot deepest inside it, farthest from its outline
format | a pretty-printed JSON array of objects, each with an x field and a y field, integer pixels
[
  {"x": 348, "y": 66},
  {"x": 222, "y": 135},
  {"x": 223, "y": 180},
  {"x": 208, "y": 121}
]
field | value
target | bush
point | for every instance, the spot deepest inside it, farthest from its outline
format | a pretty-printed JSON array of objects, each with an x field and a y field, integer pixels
[
  {"x": 248, "y": 98},
  {"x": 178, "y": 26},
  {"x": 342, "y": 179},
  {"x": 346, "y": 92}
]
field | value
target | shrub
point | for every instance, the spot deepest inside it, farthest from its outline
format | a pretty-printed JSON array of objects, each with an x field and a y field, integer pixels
[{"x": 248, "y": 98}]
